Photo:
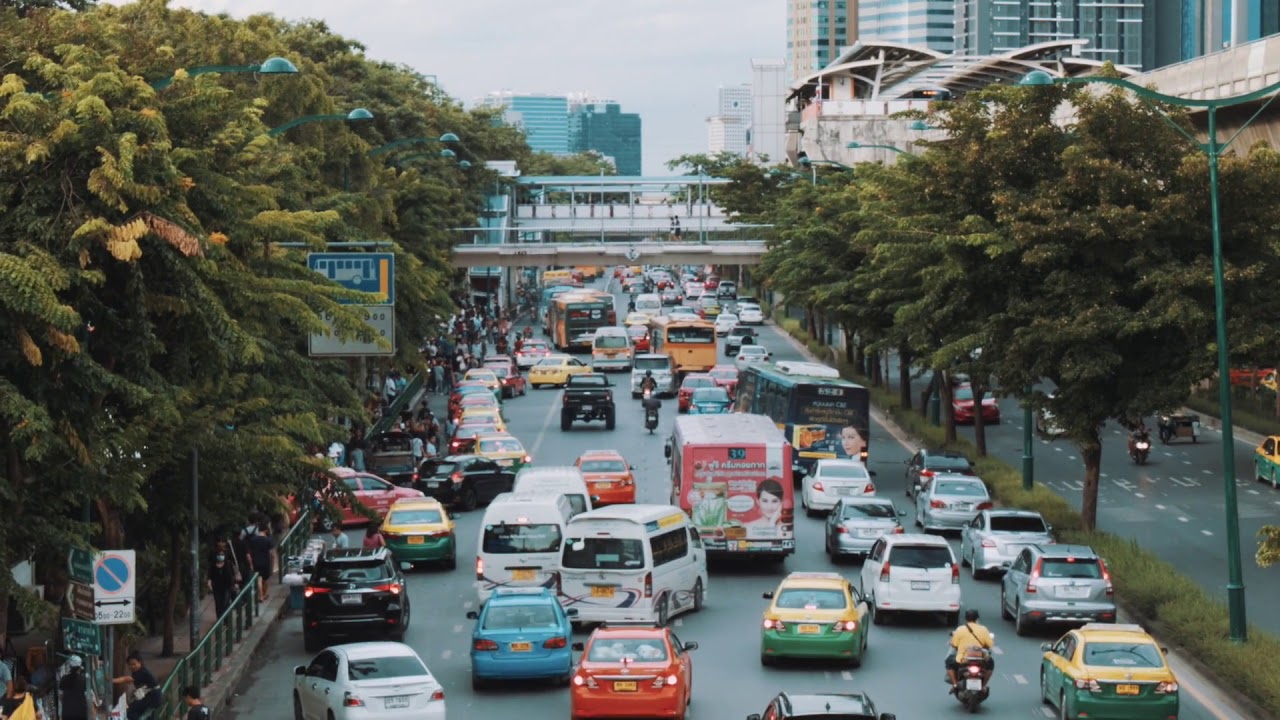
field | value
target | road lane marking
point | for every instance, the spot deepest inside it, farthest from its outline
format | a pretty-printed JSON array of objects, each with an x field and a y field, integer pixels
[
  {"x": 1208, "y": 533},
  {"x": 1183, "y": 519},
  {"x": 1020, "y": 679},
  {"x": 467, "y": 605},
  {"x": 678, "y": 622},
  {"x": 457, "y": 628},
  {"x": 542, "y": 434},
  {"x": 1058, "y": 449},
  {"x": 1207, "y": 472},
  {"x": 1073, "y": 484},
  {"x": 1138, "y": 494},
  {"x": 846, "y": 675},
  {"x": 1254, "y": 492},
  {"x": 1185, "y": 481},
  {"x": 1124, "y": 484},
  {"x": 446, "y": 654},
  {"x": 1186, "y": 462},
  {"x": 1046, "y": 711},
  {"x": 1161, "y": 507}
]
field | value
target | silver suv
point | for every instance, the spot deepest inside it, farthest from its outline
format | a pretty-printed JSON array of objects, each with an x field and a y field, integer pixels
[
  {"x": 1056, "y": 584},
  {"x": 663, "y": 374}
]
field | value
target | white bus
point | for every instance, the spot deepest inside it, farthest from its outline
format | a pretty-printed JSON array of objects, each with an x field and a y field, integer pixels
[
  {"x": 520, "y": 541},
  {"x": 632, "y": 563}
]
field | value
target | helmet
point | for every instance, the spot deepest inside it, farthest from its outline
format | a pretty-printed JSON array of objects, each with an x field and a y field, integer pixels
[
  {"x": 648, "y": 373},
  {"x": 971, "y": 616}
]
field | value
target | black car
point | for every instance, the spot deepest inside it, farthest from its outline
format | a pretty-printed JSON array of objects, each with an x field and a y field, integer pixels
[
  {"x": 842, "y": 706},
  {"x": 926, "y": 463},
  {"x": 354, "y": 592},
  {"x": 464, "y": 481}
]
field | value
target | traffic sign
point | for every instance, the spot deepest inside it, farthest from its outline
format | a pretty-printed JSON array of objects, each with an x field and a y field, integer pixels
[
  {"x": 80, "y": 598},
  {"x": 366, "y": 272},
  {"x": 80, "y": 565},
  {"x": 633, "y": 254},
  {"x": 81, "y": 636},
  {"x": 382, "y": 318},
  {"x": 114, "y": 587}
]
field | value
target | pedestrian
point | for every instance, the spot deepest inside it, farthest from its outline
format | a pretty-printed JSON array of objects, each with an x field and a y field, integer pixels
[
  {"x": 223, "y": 578},
  {"x": 144, "y": 686},
  {"x": 390, "y": 388},
  {"x": 196, "y": 709},
  {"x": 6, "y": 678},
  {"x": 75, "y": 699},
  {"x": 262, "y": 549},
  {"x": 373, "y": 538},
  {"x": 355, "y": 450},
  {"x": 338, "y": 540},
  {"x": 20, "y": 704}
]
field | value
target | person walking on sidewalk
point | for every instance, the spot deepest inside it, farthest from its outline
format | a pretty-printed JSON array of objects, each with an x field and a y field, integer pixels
[
  {"x": 262, "y": 549},
  {"x": 223, "y": 579},
  {"x": 338, "y": 540},
  {"x": 20, "y": 704},
  {"x": 196, "y": 709},
  {"x": 75, "y": 700},
  {"x": 144, "y": 684}
]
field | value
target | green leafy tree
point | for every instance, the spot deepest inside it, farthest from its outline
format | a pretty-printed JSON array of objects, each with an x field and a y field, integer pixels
[{"x": 24, "y": 8}]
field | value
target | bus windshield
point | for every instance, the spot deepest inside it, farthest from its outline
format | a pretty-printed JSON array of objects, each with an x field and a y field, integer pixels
[{"x": 691, "y": 335}]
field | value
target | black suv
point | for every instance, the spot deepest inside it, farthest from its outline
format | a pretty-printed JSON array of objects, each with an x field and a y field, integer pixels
[
  {"x": 464, "y": 481},
  {"x": 842, "y": 706},
  {"x": 587, "y": 397},
  {"x": 927, "y": 463},
  {"x": 354, "y": 591}
]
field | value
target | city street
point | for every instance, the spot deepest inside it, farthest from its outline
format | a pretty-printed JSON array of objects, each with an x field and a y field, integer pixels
[{"x": 903, "y": 671}]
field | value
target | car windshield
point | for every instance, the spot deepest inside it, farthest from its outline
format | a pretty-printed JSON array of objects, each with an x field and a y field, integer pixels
[
  {"x": 1122, "y": 655},
  {"x": 879, "y": 511},
  {"x": 516, "y": 617},
  {"x": 414, "y": 517},
  {"x": 960, "y": 488},
  {"x": 856, "y": 472},
  {"x": 966, "y": 393},
  {"x": 729, "y": 374},
  {"x": 531, "y": 345},
  {"x": 603, "y": 466},
  {"x": 1017, "y": 524},
  {"x": 396, "y": 666},
  {"x": 503, "y": 539},
  {"x": 481, "y": 375},
  {"x": 444, "y": 468},
  {"x": 726, "y": 318},
  {"x": 612, "y": 341},
  {"x": 711, "y": 394},
  {"x": 812, "y": 599},
  {"x": 501, "y": 445},
  {"x": 1071, "y": 568},
  {"x": 752, "y": 350},
  {"x": 919, "y": 556},
  {"x": 353, "y": 572},
  {"x": 697, "y": 382},
  {"x": 501, "y": 373},
  {"x": 747, "y": 307},
  {"x": 661, "y": 363},
  {"x": 551, "y": 362},
  {"x": 469, "y": 431},
  {"x": 943, "y": 462},
  {"x": 603, "y": 553},
  {"x": 637, "y": 331},
  {"x": 392, "y": 443},
  {"x": 632, "y": 649}
]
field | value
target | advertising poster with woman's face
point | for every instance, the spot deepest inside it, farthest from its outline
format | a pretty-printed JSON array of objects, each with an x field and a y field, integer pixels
[
  {"x": 742, "y": 499},
  {"x": 829, "y": 426}
]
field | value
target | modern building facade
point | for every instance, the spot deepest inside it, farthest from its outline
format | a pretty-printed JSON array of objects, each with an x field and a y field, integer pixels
[
  {"x": 599, "y": 125},
  {"x": 1199, "y": 27},
  {"x": 768, "y": 133},
  {"x": 922, "y": 23},
  {"x": 544, "y": 118},
  {"x": 816, "y": 32},
  {"x": 729, "y": 129},
  {"x": 1114, "y": 29}
]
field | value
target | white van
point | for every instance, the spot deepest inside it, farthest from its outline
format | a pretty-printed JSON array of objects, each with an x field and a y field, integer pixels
[
  {"x": 611, "y": 349},
  {"x": 632, "y": 563},
  {"x": 520, "y": 542},
  {"x": 563, "y": 480},
  {"x": 649, "y": 304}
]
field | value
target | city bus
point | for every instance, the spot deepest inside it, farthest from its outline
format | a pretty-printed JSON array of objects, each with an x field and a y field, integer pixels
[
  {"x": 574, "y": 317},
  {"x": 691, "y": 344},
  {"x": 822, "y": 414},
  {"x": 728, "y": 473},
  {"x": 556, "y": 277}
]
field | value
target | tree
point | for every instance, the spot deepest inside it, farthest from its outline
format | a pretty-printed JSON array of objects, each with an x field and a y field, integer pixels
[{"x": 24, "y": 8}]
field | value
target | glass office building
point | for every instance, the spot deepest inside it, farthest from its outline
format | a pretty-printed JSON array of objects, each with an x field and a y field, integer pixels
[
  {"x": 544, "y": 118},
  {"x": 600, "y": 125},
  {"x": 922, "y": 23},
  {"x": 816, "y": 32},
  {"x": 1115, "y": 29}
]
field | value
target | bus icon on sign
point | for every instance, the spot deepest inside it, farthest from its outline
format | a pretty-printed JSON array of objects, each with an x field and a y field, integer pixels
[
  {"x": 364, "y": 272},
  {"x": 353, "y": 271}
]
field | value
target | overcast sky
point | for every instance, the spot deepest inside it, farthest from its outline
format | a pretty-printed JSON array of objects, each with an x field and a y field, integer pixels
[{"x": 661, "y": 58}]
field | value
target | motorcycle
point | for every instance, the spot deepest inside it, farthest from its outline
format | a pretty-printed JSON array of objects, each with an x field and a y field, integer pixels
[
  {"x": 972, "y": 688},
  {"x": 651, "y": 405},
  {"x": 1139, "y": 447}
]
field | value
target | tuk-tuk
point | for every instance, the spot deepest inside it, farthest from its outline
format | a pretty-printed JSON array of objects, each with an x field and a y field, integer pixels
[{"x": 1178, "y": 426}]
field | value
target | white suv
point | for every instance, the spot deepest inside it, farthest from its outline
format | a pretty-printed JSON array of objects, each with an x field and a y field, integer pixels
[{"x": 912, "y": 573}]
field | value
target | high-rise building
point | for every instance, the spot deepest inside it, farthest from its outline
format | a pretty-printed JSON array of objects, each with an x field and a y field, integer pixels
[
  {"x": 600, "y": 125},
  {"x": 1191, "y": 28},
  {"x": 816, "y": 32},
  {"x": 728, "y": 129},
  {"x": 768, "y": 134},
  {"x": 923, "y": 23},
  {"x": 1117, "y": 30},
  {"x": 544, "y": 118}
]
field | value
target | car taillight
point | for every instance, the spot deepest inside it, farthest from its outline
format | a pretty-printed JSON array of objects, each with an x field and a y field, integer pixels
[
  {"x": 975, "y": 669},
  {"x": 667, "y": 681},
  {"x": 884, "y": 572},
  {"x": 479, "y": 568},
  {"x": 817, "y": 486},
  {"x": 1088, "y": 684},
  {"x": 955, "y": 573},
  {"x": 482, "y": 644},
  {"x": 648, "y": 585},
  {"x": 556, "y": 643},
  {"x": 869, "y": 489},
  {"x": 847, "y": 626},
  {"x": 926, "y": 473},
  {"x": 898, "y": 530},
  {"x": 1035, "y": 575},
  {"x": 842, "y": 530},
  {"x": 393, "y": 588},
  {"x": 770, "y": 624},
  {"x": 937, "y": 504},
  {"x": 528, "y": 458},
  {"x": 988, "y": 543},
  {"x": 438, "y": 694},
  {"x": 349, "y": 700},
  {"x": 314, "y": 591},
  {"x": 1166, "y": 688},
  {"x": 1106, "y": 575},
  {"x": 984, "y": 506},
  {"x": 457, "y": 476}
]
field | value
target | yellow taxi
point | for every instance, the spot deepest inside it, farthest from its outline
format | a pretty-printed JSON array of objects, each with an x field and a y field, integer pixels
[
  {"x": 1108, "y": 672},
  {"x": 637, "y": 318},
  {"x": 419, "y": 530},
  {"x": 815, "y": 615},
  {"x": 483, "y": 414},
  {"x": 504, "y": 450},
  {"x": 486, "y": 376},
  {"x": 555, "y": 370}
]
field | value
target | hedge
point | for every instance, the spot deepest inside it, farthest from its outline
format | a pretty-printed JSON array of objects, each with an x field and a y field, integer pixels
[{"x": 1170, "y": 605}]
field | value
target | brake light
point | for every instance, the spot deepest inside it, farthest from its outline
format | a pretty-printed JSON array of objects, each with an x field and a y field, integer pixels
[
  {"x": 479, "y": 568},
  {"x": 842, "y": 530},
  {"x": 648, "y": 585},
  {"x": 1035, "y": 575},
  {"x": 438, "y": 694},
  {"x": 937, "y": 504},
  {"x": 314, "y": 591},
  {"x": 927, "y": 473},
  {"x": 975, "y": 669},
  {"x": 984, "y": 506},
  {"x": 955, "y": 573},
  {"x": 1166, "y": 688},
  {"x": 581, "y": 680},
  {"x": 671, "y": 679},
  {"x": 884, "y": 572},
  {"x": 778, "y": 625},
  {"x": 482, "y": 644},
  {"x": 847, "y": 626},
  {"x": 393, "y": 588},
  {"x": 818, "y": 486},
  {"x": 1088, "y": 684},
  {"x": 556, "y": 643},
  {"x": 456, "y": 476},
  {"x": 349, "y": 700},
  {"x": 528, "y": 458},
  {"x": 898, "y": 530},
  {"x": 1106, "y": 575},
  {"x": 870, "y": 489},
  {"x": 988, "y": 543}
]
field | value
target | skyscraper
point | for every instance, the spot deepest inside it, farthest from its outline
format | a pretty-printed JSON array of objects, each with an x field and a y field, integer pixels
[
  {"x": 923, "y": 23},
  {"x": 544, "y": 118},
  {"x": 768, "y": 110},
  {"x": 1205, "y": 26},
  {"x": 816, "y": 31},
  {"x": 1115, "y": 29},
  {"x": 728, "y": 129},
  {"x": 600, "y": 125}
]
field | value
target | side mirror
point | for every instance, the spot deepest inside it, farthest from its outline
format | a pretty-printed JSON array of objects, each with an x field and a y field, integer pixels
[
  {"x": 300, "y": 670},
  {"x": 666, "y": 450},
  {"x": 767, "y": 595},
  {"x": 902, "y": 513},
  {"x": 595, "y": 499},
  {"x": 1048, "y": 527},
  {"x": 578, "y": 647},
  {"x": 888, "y": 716},
  {"x": 690, "y": 646},
  {"x": 571, "y": 612},
  {"x": 1046, "y": 647},
  {"x": 1164, "y": 650},
  {"x": 473, "y": 615},
  {"x": 872, "y": 473}
]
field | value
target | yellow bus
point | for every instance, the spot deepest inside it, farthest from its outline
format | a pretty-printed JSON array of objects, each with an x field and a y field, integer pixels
[
  {"x": 574, "y": 317},
  {"x": 691, "y": 344},
  {"x": 589, "y": 272},
  {"x": 551, "y": 278}
]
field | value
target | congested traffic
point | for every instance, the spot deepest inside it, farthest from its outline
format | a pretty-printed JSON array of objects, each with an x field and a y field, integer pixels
[{"x": 594, "y": 570}]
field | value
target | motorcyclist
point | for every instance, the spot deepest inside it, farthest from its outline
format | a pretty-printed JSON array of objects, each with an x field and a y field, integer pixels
[
  {"x": 648, "y": 383},
  {"x": 971, "y": 634}
]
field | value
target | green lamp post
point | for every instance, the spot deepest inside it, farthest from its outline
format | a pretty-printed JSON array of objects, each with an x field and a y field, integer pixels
[
  {"x": 855, "y": 145},
  {"x": 1212, "y": 148},
  {"x": 357, "y": 115},
  {"x": 921, "y": 126},
  {"x": 445, "y": 138},
  {"x": 270, "y": 66}
]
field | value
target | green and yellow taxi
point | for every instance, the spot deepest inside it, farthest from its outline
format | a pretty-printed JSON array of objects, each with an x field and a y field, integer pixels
[
  {"x": 504, "y": 450},
  {"x": 484, "y": 414},
  {"x": 815, "y": 615},
  {"x": 1108, "y": 672},
  {"x": 1266, "y": 461},
  {"x": 419, "y": 530},
  {"x": 488, "y": 377}
]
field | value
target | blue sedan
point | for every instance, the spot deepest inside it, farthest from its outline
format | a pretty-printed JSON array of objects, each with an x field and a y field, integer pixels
[
  {"x": 709, "y": 401},
  {"x": 521, "y": 634}
]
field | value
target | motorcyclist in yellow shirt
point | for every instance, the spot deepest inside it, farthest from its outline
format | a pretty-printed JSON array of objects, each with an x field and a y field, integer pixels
[{"x": 968, "y": 635}]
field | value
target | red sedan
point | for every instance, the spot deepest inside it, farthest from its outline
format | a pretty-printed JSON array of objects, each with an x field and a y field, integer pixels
[
  {"x": 513, "y": 383},
  {"x": 962, "y": 406},
  {"x": 726, "y": 376},
  {"x": 692, "y": 382}
]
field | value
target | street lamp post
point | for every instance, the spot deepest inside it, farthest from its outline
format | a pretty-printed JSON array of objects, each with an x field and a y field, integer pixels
[
  {"x": 357, "y": 115},
  {"x": 1213, "y": 150},
  {"x": 855, "y": 145},
  {"x": 270, "y": 66}
]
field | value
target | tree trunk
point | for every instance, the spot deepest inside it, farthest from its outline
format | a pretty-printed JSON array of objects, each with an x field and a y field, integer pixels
[
  {"x": 979, "y": 427},
  {"x": 860, "y": 360},
  {"x": 175, "y": 587},
  {"x": 810, "y": 322},
  {"x": 927, "y": 393},
  {"x": 873, "y": 369},
  {"x": 849, "y": 350},
  {"x": 948, "y": 413},
  {"x": 1091, "y": 454},
  {"x": 904, "y": 375}
]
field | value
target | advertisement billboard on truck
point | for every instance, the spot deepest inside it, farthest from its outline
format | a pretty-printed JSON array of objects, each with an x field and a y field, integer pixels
[{"x": 731, "y": 473}]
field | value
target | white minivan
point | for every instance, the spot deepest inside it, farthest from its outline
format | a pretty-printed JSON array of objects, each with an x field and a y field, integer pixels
[
  {"x": 611, "y": 349},
  {"x": 632, "y": 563},
  {"x": 520, "y": 542},
  {"x": 649, "y": 304},
  {"x": 912, "y": 573},
  {"x": 563, "y": 480}
]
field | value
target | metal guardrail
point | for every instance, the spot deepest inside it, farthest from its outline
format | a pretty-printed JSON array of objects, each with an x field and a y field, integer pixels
[
  {"x": 293, "y": 541},
  {"x": 389, "y": 419}
]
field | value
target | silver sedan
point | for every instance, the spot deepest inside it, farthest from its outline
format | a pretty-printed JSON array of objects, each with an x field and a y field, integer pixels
[
  {"x": 993, "y": 540},
  {"x": 856, "y": 523},
  {"x": 950, "y": 502}
]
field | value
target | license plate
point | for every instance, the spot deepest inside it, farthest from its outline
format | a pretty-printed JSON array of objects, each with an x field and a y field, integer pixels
[
  {"x": 350, "y": 600},
  {"x": 603, "y": 485},
  {"x": 628, "y": 686},
  {"x": 961, "y": 506},
  {"x": 506, "y": 463},
  {"x": 1127, "y": 690},
  {"x": 919, "y": 584},
  {"x": 870, "y": 532},
  {"x": 974, "y": 684},
  {"x": 844, "y": 491},
  {"x": 1073, "y": 592},
  {"x": 586, "y": 408},
  {"x": 809, "y": 629},
  {"x": 396, "y": 701},
  {"x": 521, "y": 647},
  {"x": 416, "y": 540},
  {"x": 433, "y": 485},
  {"x": 602, "y": 591},
  {"x": 523, "y": 574}
]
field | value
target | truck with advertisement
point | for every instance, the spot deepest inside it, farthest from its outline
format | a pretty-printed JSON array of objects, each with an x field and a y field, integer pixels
[{"x": 729, "y": 474}]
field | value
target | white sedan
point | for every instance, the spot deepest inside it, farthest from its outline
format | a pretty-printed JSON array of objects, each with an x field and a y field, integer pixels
[
  {"x": 367, "y": 680},
  {"x": 725, "y": 322},
  {"x": 833, "y": 479},
  {"x": 751, "y": 354},
  {"x": 749, "y": 314}
]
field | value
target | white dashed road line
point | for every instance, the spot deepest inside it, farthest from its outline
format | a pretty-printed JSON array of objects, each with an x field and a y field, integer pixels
[
  {"x": 1020, "y": 679},
  {"x": 846, "y": 675},
  {"x": 1183, "y": 519},
  {"x": 457, "y": 628},
  {"x": 1207, "y": 533},
  {"x": 446, "y": 654}
]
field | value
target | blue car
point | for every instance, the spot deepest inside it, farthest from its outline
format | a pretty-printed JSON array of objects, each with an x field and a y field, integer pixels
[
  {"x": 521, "y": 634},
  {"x": 709, "y": 401}
]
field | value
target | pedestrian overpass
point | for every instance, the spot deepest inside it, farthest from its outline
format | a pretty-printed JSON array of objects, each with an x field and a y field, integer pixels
[{"x": 712, "y": 252}]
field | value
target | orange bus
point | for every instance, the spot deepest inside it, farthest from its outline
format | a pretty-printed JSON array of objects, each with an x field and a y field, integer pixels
[
  {"x": 573, "y": 318},
  {"x": 691, "y": 344}
]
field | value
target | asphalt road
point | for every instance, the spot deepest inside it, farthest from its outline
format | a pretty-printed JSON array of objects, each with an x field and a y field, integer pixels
[
  {"x": 903, "y": 670},
  {"x": 1173, "y": 505}
]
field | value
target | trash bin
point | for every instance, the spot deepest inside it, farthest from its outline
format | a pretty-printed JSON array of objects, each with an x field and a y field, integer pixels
[{"x": 296, "y": 583}]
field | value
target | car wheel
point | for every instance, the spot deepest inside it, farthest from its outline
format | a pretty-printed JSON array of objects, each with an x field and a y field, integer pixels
[
  {"x": 855, "y": 660},
  {"x": 311, "y": 641},
  {"x": 1044, "y": 690},
  {"x": 964, "y": 559},
  {"x": 1004, "y": 609},
  {"x": 451, "y": 563},
  {"x": 566, "y": 421},
  {"x": 664, "y": 613},
  {"x": 610, "y": 420},
  {"x": 297, "y": 707},
  {"x": 698, "y": 595},
  {"x": 878, "y": 616},
  {"x": 477, "y": 683},
  {"x": 766, "y": 659},
  {"x": 467, "y": 498},
  {"x": 1021, "y": 626},
  {"x": 952, "y": 619}
]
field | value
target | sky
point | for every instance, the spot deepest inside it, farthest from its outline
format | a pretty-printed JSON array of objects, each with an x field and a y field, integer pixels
[{"x": 663, "y": 59}]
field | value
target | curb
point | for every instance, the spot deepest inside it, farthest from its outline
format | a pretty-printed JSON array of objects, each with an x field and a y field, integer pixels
[
  {"x": 235, "y": 666},
  {"x": 1214, "y": 423}
]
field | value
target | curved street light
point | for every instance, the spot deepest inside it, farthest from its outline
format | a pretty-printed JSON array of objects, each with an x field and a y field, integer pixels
[
  {"x": 359, "y": 114},
  {"x": 445, "y": 138},
  {"x": 270, "y": 66},
  {"x": 855, "y": 145},
  {"x": 1212, "y": 148}
]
